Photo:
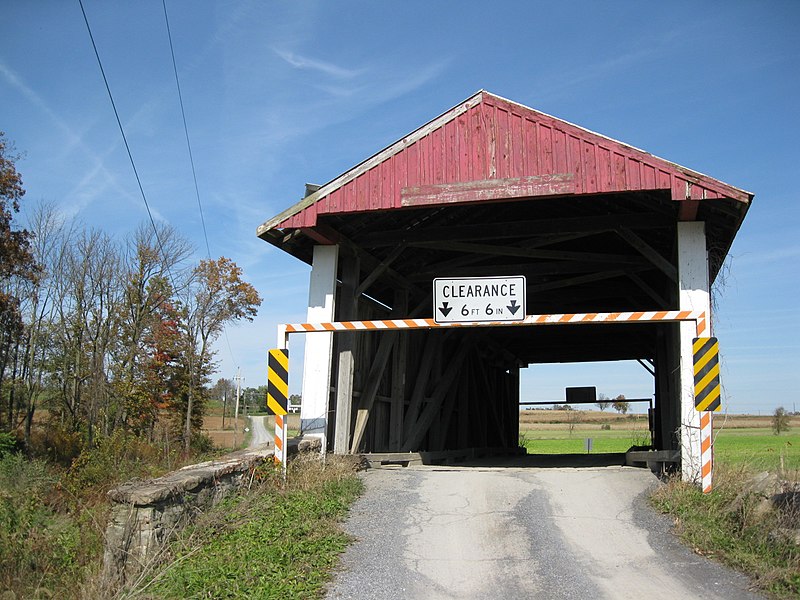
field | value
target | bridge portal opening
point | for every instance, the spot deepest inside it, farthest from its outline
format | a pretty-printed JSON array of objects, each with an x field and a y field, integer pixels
[{"x": 618, "y": 249}]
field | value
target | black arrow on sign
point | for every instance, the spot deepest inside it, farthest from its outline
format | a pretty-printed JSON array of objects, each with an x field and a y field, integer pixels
[
  {"x": 445, "y": 309},
  {"x": 514, "y": 307}
]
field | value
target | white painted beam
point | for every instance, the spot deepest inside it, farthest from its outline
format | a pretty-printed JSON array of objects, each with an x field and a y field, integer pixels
[
  {"x": 694, "y": 295},
  {"x": 319, "y": 345}
]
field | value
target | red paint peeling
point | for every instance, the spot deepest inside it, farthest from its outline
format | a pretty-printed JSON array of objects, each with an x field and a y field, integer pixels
[{"x": 489, "y": 138}]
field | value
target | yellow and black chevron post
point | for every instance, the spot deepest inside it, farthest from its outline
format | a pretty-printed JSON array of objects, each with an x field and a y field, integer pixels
[
  {"x": 706, "y": 374},
  {"x": 278, "y": 398},
  {"x": 278, "y": 382}
]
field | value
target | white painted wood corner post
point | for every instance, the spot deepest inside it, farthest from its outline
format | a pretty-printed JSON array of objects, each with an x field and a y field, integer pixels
[
  {"x": 319, "y": 345},
  {"x": 694, "y": 294}
]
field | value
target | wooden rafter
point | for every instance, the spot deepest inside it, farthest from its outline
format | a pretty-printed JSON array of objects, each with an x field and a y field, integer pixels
[
  {"x": 649, "y": 252},
  {"x": 622, "y": 259}
]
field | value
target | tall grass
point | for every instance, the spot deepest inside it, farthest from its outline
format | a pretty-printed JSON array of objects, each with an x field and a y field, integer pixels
[
  {"x": 274, "y": 541},
  {"x": 54, "y": 509},
  {"x": 44, "y": 550},
  {"x": 737, "y": 527}
]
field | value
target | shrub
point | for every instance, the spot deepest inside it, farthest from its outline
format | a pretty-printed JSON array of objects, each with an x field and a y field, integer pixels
[
  {"x": 41, "y": 552},
  {"x": 8, "y": 443},
  {"x": 56, "y": 443},
  {"x": 118, "y": 457},
  {"x": 780, "y": 421}
]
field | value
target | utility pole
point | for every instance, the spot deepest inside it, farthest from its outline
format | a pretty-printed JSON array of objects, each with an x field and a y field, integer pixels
[
  {"x": 224, "y": 405},
  {"x": 238, "y": 379}
]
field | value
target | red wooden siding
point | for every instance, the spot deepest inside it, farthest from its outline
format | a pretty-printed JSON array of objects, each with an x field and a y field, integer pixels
[{"x": 489, "y": 138}]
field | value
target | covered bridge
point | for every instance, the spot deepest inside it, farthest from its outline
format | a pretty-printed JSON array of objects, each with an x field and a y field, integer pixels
[{"x": 494, "y": 188}]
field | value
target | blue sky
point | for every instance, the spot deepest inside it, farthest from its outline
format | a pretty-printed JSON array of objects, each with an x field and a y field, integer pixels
[{"x": 278, "y": 94}]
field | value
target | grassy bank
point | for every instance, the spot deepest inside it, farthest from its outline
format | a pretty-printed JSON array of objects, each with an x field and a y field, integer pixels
[
  {"x": 275, "y": 541},
  {"x": 53, "y": 512},
  {"x": 737, "y": 527}
]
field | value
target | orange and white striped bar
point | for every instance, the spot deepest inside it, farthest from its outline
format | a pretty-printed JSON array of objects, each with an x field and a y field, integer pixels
[
  {"x": 554, "y": 319},
  {"x": 706, "y": 450},
  {"x": 280, "y": 439}
]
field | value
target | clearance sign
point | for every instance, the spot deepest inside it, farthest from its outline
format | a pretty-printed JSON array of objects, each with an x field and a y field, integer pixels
[{"x": 479, "y": 299}]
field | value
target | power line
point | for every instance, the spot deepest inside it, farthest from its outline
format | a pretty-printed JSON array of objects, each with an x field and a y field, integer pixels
[
  {"x": 191, "y": 158},
  {"x": 185, "y": 128},
  {"x": 127, "y": 147}
]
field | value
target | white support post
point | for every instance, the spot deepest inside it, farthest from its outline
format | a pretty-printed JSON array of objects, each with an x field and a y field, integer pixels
[
  {"x": 694, "y": 294},
  {"x": 319, "y": 345}
]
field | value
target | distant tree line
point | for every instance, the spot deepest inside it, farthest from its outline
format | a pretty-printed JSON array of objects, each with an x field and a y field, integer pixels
[{"x": 106, "y": 334}]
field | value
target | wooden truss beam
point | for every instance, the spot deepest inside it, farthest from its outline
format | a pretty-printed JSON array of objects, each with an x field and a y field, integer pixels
[
  {"x": 420, "y": 428},
  {"x": 649, "y": 252},
  {"x": 516, "y": 229},
  {"x": 621, "y": 259}
]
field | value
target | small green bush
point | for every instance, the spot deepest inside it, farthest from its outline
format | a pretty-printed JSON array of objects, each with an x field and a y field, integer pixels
[{"x": 8, "y": 443}]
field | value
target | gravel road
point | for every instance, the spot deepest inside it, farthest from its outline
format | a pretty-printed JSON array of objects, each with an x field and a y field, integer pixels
[
  {"x": 519, "y": 532},
  {"x": 259, "y": 432}
]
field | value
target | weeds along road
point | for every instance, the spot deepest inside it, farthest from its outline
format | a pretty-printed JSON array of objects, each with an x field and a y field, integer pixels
[
  {"x": 258, "y": 432},
  {"x": 515, "y": 532}
]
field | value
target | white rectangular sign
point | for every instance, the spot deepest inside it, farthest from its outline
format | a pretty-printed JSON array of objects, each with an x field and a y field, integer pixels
[{"x": 479, "y": 299}]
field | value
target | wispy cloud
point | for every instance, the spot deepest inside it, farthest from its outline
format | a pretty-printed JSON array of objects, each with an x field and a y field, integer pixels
[
  {"x": 776, "y": 255},
  {"x": 326, "y": 68}
]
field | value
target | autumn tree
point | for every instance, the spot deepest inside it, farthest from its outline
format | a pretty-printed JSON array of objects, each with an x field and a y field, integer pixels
[
  {"x": 16, "y": 263},
  {"x": 152, "y": 266},
  {"x": 216, "y": 297},
  {"x": 163, "y": 381}
]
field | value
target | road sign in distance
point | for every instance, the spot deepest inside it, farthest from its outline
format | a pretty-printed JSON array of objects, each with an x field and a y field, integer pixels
[{"x": 479, "y": 299}]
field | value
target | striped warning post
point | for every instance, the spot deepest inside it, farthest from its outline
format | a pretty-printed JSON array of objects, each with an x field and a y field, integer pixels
[
  {"x": 705, "y": 352},
  {"x": 706, "y": 450},
  {"x": 278, "y": 397},
  {"x": 553, "y": 319}
]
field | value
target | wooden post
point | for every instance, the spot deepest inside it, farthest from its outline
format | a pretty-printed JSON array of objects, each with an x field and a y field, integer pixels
[
  {"x": 399, "y": 365},
  {"x": 463, "y": 407},
  {"x": 348, "y": 311}
]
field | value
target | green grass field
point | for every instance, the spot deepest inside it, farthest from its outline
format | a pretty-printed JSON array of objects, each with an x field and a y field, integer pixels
[{"x": 756, "y": 448}]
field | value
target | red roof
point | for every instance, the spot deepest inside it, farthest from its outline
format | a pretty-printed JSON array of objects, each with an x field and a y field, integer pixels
[{"x": 489, "y": 148}]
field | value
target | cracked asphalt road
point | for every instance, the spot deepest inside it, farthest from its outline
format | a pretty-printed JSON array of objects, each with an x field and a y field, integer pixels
[{"x": 519, "y": 532}]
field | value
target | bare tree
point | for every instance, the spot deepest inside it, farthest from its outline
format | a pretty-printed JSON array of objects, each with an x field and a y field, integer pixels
[
  {"x": 603, "y": 402},
  {"x": 89, "y": 295},
  {"x": 39, "y": 308}
]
